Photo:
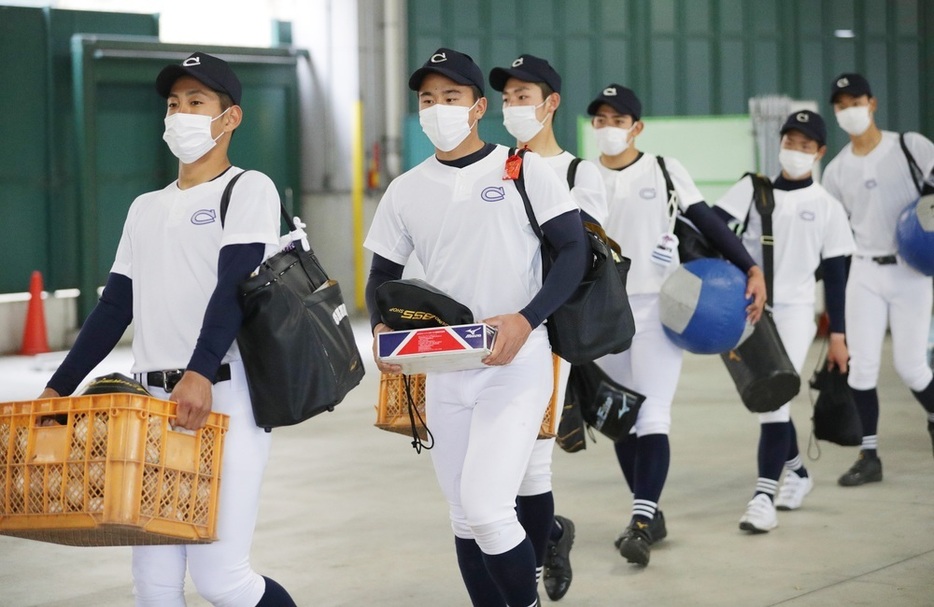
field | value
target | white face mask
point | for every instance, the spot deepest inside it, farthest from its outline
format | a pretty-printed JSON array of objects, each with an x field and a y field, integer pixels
[
  {"x": 446, "y": 125},
  {"x": 521, "y": 122},
  {"x": 189, "y": 135},
  {"x": 796, "y": 164},
  {"x": 854, "y": 120},
  {"x": 612, "y": 140}
]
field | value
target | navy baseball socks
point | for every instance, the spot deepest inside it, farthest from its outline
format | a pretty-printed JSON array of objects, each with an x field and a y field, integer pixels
[
  {"x": 537, "y": 516},
  {"x": 868, "y": 466},
  {"x": 649, "y": 471},
  {"x": 275, "y": 595},
  {"x": 926, "y": 398},
  {"x": 480, "y": 586}
]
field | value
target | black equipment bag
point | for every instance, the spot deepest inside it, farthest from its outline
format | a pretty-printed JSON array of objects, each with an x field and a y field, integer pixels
[
  {"x": 835, "y": 416},
  {"x": 692, "y": 244},
  {"x": 410, "y": 303},
  {"x": 759, "y": 366},
  {"x": 296, "y": 340},
  {"x": 596, "y": 319},
  {"x": 604, "y": 404}
]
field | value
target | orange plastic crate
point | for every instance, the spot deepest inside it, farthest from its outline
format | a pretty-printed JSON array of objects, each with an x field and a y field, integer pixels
[
  {"x": 115, "y": 474},
  {"x": 392, "y": 410}
]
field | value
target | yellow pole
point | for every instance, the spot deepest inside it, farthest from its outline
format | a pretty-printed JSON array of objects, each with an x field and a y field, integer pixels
[{"x": 356, "y": 195}]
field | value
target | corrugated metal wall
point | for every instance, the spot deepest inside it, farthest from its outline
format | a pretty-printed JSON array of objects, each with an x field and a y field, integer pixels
[{"x": 696, "y": 57}]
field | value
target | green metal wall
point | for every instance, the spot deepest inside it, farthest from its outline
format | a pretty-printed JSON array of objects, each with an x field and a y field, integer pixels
[
  {"x": 83, "y": 128},
  {"x": 695, "y": 57}
]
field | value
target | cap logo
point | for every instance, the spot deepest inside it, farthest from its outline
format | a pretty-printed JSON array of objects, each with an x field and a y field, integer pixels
[
  {"x": 610, "y": 91},
  {"x": 843, "y": 82},
  {"x": 438, "y": 58},
  {"x": 518, "y": 62},
  {"x": 191, "y": 61},
  {"x": 802, "y": 117}
]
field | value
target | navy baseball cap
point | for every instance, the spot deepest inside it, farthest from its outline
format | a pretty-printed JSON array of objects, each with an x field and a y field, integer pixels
[
  {"x": 451, "y": 64},
  {"x": 807, "y": 122},
  {"x": 619, "y": 98},
  {"x": 854, "y": 84},
  {"x": 204, "y": 68},
  {"x": 527, "y": 68}
]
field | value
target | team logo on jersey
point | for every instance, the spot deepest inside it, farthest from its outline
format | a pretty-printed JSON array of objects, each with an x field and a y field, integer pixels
[
  {"x": 204, "y": 216},
  {"x": 493, "y": 193},
  {"x": 647, "y": 193},
  {"x": 871, "y": 184},
  {"x": 807, "y": 215},
  {"x": 191, "y": 61},
  {"x": 610, "y": 91},
  {"x": 438, "y": 58},
  {"x": 518, "y": 62}
]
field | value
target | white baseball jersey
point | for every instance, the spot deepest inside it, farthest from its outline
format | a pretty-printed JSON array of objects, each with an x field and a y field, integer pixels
[
  {"x": 169, "y": 248},
  {"x": 875, "y": 188},
  {"x": 588, "y": 192},
  {"x": 469, "y": 230},
  {"x": 808, "y": 225},
  {"x": 637, "y": 201}
]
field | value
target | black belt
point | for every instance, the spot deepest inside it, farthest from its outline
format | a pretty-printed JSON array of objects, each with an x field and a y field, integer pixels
[
  {"x": 168, "y": 378},
  {"x": 885, "y": 260}
]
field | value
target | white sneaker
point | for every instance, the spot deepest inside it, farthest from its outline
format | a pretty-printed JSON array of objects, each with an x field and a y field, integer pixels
[
  {"x": 792, "y": 491},
  {"x": 760, "y": 515}
]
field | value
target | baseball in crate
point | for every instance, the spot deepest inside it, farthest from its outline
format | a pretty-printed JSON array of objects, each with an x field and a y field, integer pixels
[{"x": 107, "y": 468}]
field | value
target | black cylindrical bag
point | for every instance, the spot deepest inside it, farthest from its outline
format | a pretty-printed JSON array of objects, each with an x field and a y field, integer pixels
[{"x": 761, "y": 369}]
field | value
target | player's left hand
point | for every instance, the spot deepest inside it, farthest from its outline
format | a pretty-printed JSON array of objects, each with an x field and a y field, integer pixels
[
  {"x": 838, "y": 355},
  {"x": 193, "y": 395},
  {"x": 755, "y": 288},
  {"x": 512, "y": 330}
]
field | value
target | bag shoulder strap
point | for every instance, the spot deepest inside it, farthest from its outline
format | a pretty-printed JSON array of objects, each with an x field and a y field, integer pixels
[
  {"x": 572, "y": 171},
  {"x": 669, "y": 185},
  {"x": 520, "y": 186},
  {"x": 225, "y": 202},
  {"x": 672, "y": 201},
  {"x": 917, "y": 175},
  {"x": 764, "y": 197}
]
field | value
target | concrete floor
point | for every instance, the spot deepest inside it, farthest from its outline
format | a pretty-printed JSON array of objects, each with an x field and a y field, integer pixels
[{"x": 352, "y": 516}]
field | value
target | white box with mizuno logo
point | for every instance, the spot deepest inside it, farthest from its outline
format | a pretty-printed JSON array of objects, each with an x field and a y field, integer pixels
[{"x": 453, "y": 348}]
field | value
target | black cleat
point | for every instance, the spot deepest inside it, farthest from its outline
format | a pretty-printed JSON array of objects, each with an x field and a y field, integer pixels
[
  {"x": 865, "y": 470},
  {"x": 657, "y": 530},
  {"x": 558, "y": 575},
  {"x": 635, "y": 542}
]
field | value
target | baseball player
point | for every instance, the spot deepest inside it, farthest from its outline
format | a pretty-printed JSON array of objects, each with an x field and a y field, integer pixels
[
  {"x": 638, "y": 219},
  {"x": 467, "y": 226},
  {"x": 175, "y": 275},
  {"x": 809, "y": 230},
  {"x": 531, "y": 91},
  {"x": 870, "y": 176}
]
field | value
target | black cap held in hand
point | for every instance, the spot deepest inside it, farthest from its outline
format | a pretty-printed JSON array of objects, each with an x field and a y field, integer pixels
[
  {"x": 451, "y": 64},
  {"x": 207, "y": 69}
]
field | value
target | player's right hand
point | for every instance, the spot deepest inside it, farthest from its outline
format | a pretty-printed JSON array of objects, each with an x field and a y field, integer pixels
[
  {"x": 755, "y": 288},
  {"x": 383, "y": 367}
]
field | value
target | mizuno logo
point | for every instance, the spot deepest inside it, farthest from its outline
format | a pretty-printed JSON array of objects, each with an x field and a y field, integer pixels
[{"x": 473, "y": 332}]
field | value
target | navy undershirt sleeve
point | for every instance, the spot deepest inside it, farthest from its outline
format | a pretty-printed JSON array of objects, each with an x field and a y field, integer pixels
[
  {"x": 101, "y": 331},
  {"x": 565, "y": 234},
  {"x": 713, "y": 227},
  {"x": 834, "y": 275},
  {"x": 223, "y": 316},
  {"x": 381, "y": 270}
]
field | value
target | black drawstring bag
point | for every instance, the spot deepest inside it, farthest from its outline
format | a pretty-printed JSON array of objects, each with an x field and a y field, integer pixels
[
  {"x": 835, "y": 416},
  {"x": 296, "y": 341},
  {"x": 411, "y": 303}
]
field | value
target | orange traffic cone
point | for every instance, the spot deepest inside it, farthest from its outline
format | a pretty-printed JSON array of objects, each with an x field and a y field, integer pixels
[{"x": 35, "y": 340}]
